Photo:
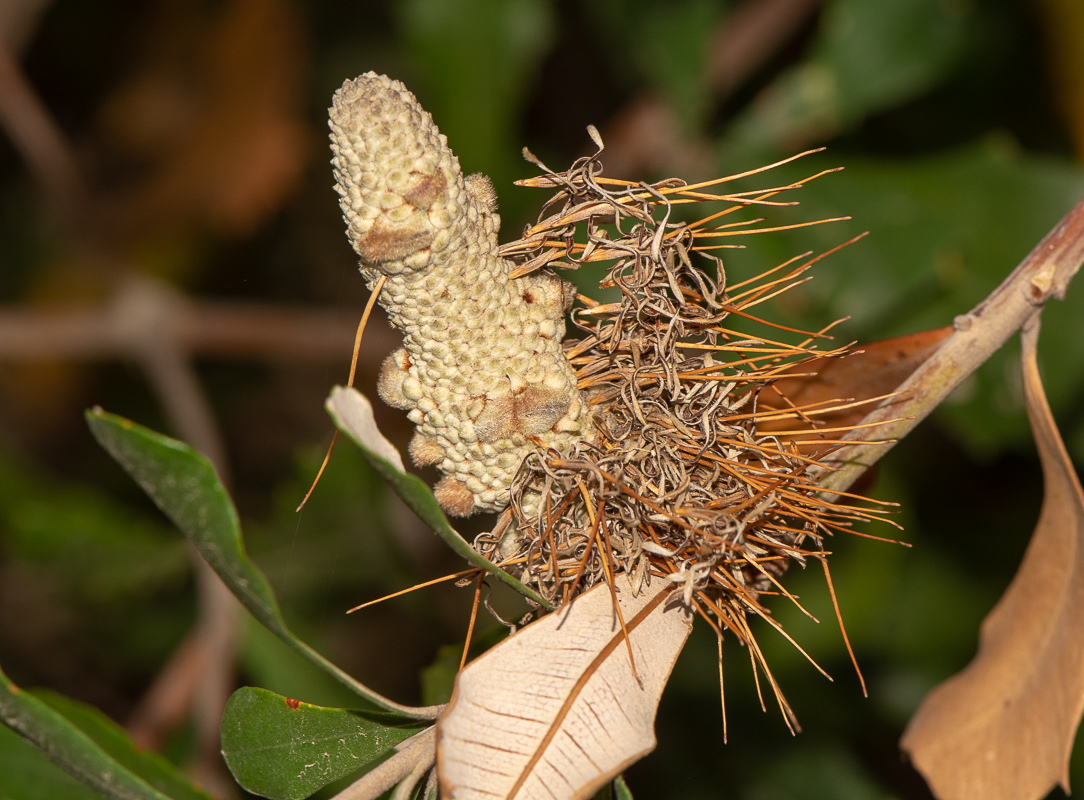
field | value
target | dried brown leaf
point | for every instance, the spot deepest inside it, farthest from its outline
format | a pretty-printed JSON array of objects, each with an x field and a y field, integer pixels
[
  {"x": 870, "y": 371},
  {"x": 1003, "y": 728},
  {"x": 556, "y": 710}
]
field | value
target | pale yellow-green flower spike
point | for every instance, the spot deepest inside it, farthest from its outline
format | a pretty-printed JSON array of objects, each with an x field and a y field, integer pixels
[{"x": 481, "y": 367}]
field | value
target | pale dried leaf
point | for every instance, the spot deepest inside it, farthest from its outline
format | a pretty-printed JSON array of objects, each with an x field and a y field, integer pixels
[
  {"x": 355, "y": 413},
  {"x": 556, "y": 710},
  {"x": 1003, "y": 728}
]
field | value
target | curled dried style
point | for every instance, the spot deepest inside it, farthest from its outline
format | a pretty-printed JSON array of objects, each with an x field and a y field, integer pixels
[
  {"x": 661, "y": 441},
  {"x": 702, "y": 471}
]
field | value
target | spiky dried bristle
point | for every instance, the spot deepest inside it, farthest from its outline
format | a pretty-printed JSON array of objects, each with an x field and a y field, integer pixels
[{"x": 682, "y": 482}]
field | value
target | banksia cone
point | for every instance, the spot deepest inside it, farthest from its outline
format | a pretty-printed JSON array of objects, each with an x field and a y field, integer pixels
[
  {"x": 481, "y": 370},
  {"x": 662, "y": 442}
]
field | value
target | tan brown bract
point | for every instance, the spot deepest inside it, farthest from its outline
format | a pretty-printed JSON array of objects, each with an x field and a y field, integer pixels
[{"x": 481, "y": 367}]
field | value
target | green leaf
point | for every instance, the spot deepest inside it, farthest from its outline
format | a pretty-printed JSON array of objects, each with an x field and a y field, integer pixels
[
  {"x": 353, "y": 414},
  {"x": 26, "y": 774},
  {"x": 621, "y": 789},
  {"x": 284, "y": 749},
  {"x": 185, "y": 486},
  {"x": 868, "y": 57},
  {"x": 71, "y": 749},
  {"x": 109, "y": 736}
]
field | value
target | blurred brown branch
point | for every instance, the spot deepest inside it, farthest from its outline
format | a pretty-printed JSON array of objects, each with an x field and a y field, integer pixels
[
  {"x": 225, "y": 158},
  {"x": 37, "y": 137},
  {"x": 199, "y": 327}
]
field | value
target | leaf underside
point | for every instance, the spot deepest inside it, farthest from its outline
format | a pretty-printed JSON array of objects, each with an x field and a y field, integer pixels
[
  {"x": 1003, "y": 728},
  {"x": 353, "y": 414},
  {"x": 556, "y": 710}
]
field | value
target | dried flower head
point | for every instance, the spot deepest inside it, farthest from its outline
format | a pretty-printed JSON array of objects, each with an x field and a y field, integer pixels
[
  {"x": 702, "y": 472},
  {"x": 681, "y": 475},
  {"x": 660, "y": 441}
]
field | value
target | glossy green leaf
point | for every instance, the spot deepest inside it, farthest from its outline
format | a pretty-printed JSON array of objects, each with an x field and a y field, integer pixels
[
  {"x": 73, "y": 750},
  {"x": 353, "y": 414},
  {"x": 284, "y": 749},
  {"x": 113, "y": 739},
  {"x": 621, "y": 789},
  {"x": 616, "y": 789},
  {"x": 185, "y": 486},
  {"x": 867, "y": 57}
]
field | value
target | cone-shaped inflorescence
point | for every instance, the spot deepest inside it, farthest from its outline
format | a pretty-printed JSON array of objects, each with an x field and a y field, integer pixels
[
  {"x": 657, "y": 442},
  {"x": 481, "y": 370}
]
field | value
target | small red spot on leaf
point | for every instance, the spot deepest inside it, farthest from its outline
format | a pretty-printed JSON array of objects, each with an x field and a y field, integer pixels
[{"x": 293, "y": 703}]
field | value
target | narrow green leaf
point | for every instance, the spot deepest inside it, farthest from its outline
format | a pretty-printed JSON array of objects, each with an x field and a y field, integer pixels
[
  {"x": 27, "y": 774},
  {"x": 68, "y": 747},
  {"x": 284, "y": 749},
  {"x": 185, "y": 486},
  {"x": 621, "y": 789},
  {"x": 109, "y": 736},
  {"x": 353, "y": 414}
]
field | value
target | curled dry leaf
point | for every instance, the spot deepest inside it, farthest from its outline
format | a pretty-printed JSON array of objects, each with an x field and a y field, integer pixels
[
  {"x": 1003, "y": 728},
  {"x": 556, "y": 710}
]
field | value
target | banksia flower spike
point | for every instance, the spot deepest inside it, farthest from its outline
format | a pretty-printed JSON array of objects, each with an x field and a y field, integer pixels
[
  {"x": 481, "y": 370},
  {"x": 661, "y": 441}
]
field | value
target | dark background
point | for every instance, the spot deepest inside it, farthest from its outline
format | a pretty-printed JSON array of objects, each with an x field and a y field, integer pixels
[{"x": 188, "y": 154}]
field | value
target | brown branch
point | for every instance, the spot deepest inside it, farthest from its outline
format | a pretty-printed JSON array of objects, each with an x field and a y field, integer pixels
[
  {"x": 749, "y": 37},
  {"x": 37, "y": 137},
  {"x": 1043, "y": 274},
  {"x": 202, "y": 328}
]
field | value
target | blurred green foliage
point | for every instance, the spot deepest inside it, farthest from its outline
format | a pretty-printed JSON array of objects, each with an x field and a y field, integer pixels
[{"x": 960, "y": 151}]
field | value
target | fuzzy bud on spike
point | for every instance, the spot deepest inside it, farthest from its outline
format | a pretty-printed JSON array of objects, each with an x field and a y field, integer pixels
[{"x": 481, "y": 367}]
